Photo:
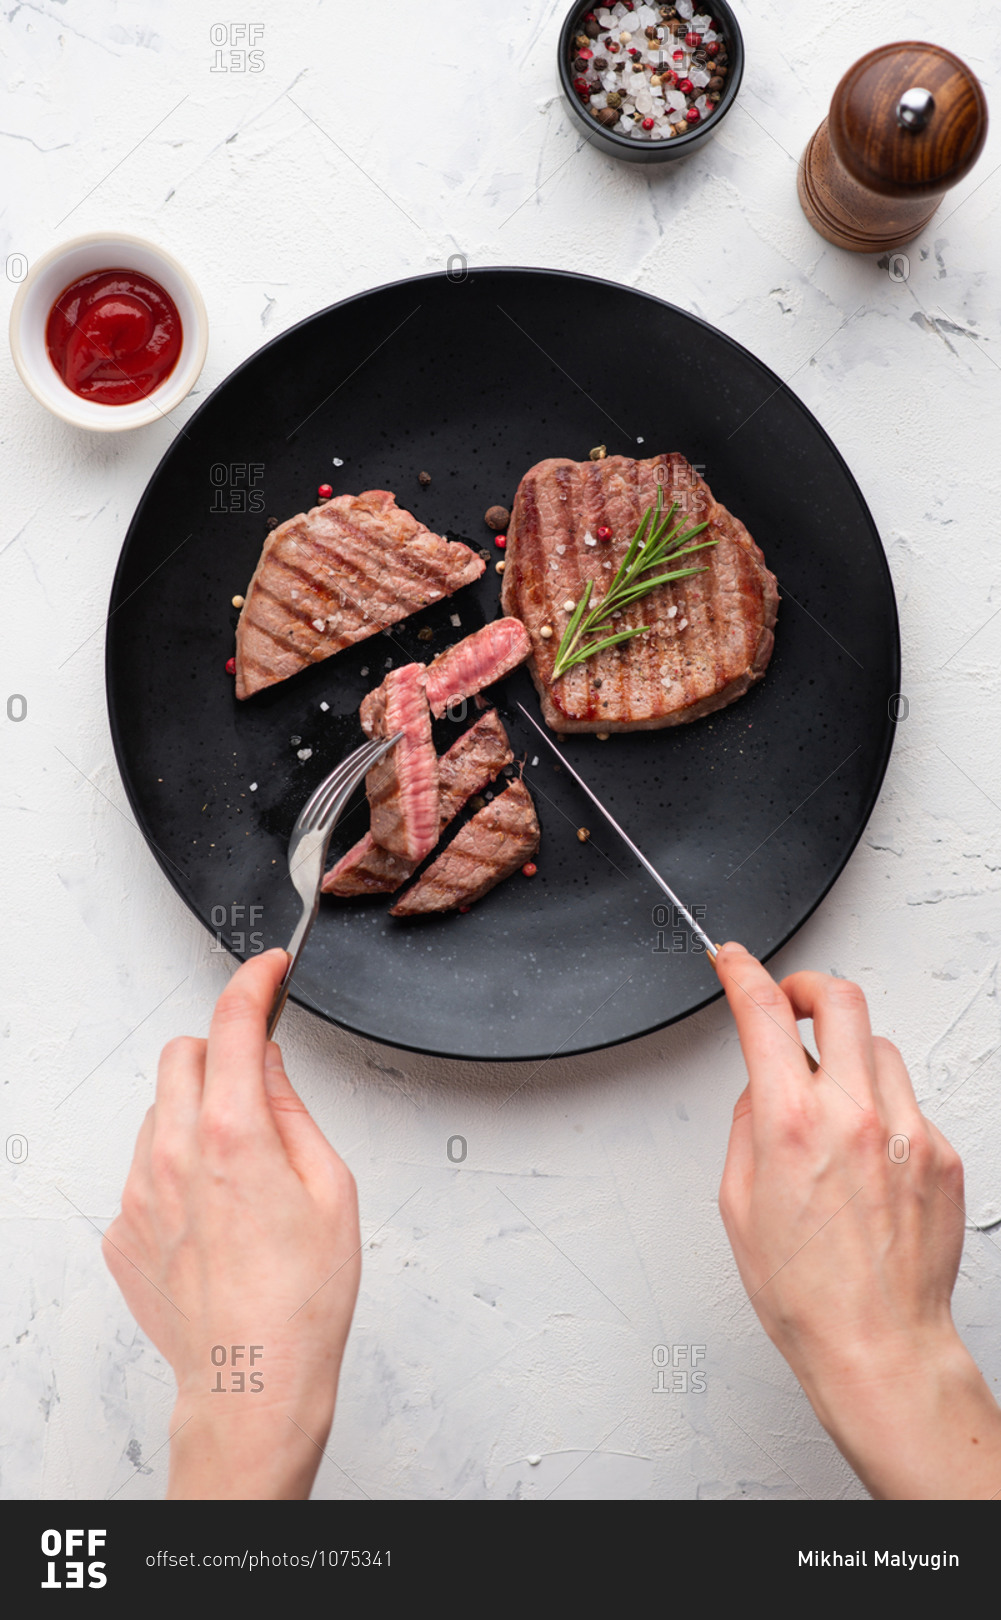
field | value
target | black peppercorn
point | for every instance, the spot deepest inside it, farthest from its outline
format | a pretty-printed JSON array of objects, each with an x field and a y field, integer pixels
[
  {"x": 715, "y": 83},
  {"x": 591, "y": 29},
  {"x": 424, "y": 479},
  {"x": 272, "y": 523},
  {"x": 606, "y": 116},
  {"x": 580, "y": 64},
  {"x": 600, "y": 64},
  {"x": 651, "y": 32}
]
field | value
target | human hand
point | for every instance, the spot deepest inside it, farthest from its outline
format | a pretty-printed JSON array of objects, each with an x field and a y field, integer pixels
[
  {"x": 849, "y": 1247},
  {"x": 239, "y": 1228}
]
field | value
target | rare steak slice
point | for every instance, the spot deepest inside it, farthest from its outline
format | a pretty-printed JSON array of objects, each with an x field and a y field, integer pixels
[
  {"x": 706, "y": 638},
  {"x": 470, "y": 764},
  {"x": 337, "y": 574},
  {"x": 403, "y": 787},
  {"x": 477, "y": 661},
  {"x": 498, "y": 839}
]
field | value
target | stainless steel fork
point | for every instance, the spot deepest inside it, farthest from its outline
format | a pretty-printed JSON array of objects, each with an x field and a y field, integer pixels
[{"x": 307, "y": 850}]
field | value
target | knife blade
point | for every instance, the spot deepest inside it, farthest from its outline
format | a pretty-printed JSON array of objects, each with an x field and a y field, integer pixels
[
  {"x": 711, "y": 949},
  {"x": 700, "y": 933}
]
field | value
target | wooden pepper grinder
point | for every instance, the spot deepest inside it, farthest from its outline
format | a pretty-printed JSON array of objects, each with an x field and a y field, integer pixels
[{"x": 906, "y": 122}]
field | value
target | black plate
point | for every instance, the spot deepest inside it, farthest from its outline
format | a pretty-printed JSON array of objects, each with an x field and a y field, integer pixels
[{"x": 750, "y": 814}]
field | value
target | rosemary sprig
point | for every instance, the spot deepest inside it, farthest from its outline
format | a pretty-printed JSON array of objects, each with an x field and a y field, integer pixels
[{"x": 657, "y": 541}]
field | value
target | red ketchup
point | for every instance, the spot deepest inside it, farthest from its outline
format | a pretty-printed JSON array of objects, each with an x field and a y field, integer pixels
[{"x": 113, "y": 336}]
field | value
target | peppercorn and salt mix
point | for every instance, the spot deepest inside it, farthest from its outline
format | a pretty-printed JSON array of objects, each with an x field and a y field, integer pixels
[{"x": 650, "y": 72}]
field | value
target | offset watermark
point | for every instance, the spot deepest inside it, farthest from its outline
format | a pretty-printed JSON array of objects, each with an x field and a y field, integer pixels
[
  {"x": 898, "y": 707},
  {"x": 16, "y": 1148},
  {"x": 17, "y": 707},
  {"x": 236, "y": 486},
  {"x": 679, "y": 1369},
  {"x": 671, "y": 926},
  {"x": 456, "y": 1149},
  {"x": 233, "y": 1365},
  {"x": 237, "y": 47},
  {"x": 245, "y": 939},
  {"x": 898, "y": 267},
  {"x": 456, "y": 267},
  {"x": 457, "y": 708},
  {"x": 898, "y": 1149},
  {"x": 16, "y": 267}
]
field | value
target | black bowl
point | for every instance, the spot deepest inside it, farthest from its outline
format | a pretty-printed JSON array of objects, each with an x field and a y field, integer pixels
[{"x": 623, "y": 146}]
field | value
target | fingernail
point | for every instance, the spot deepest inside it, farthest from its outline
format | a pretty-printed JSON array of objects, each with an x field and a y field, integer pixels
[{"x": 733, "y": 945}]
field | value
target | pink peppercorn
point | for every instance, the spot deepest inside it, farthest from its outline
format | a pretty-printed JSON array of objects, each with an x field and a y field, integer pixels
[
  {"x": 647, "y": 123},
  {"x": 529, "y": 869},
  {"x": 500, "y": 541},
  {"x": 231, "y": 666},
  {"x": 693, "y": 115},
  {"x": 325, "y": 491}
]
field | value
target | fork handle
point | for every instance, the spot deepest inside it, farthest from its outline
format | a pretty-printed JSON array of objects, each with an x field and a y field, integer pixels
[{"x": 294, "y": 951}]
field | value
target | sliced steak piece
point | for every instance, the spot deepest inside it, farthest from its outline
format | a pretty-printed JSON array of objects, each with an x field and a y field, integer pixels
[
  {"x": 477, "y": 661},
  {"x": 498, "y": 839},
  {"x": 467, "y": 768},
  {"x": 709, "y": 637},
  {"x": 335, "y": 575},
  {"x": 403, "y": 787}
]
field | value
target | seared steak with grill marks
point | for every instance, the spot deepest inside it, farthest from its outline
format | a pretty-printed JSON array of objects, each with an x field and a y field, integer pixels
[
  {"x": 403, "y": 787},
  {"x": 709, "y": 637},
  {"x": 344, "y": 571},
  {"x": 466, "y": 769},
  {"x": 498, "y": 839},
  {"x": 477, "y": 661}
]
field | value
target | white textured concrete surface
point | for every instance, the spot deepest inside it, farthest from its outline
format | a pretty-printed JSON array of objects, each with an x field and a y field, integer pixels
[{"x": 483, "y": 1339}]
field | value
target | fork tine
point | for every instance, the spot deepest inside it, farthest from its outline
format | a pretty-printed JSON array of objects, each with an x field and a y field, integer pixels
[{"x": 341, "y": 782}]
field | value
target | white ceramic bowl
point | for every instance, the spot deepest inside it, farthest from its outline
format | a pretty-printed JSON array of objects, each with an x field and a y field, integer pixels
[{"x": 51, "y": 274}]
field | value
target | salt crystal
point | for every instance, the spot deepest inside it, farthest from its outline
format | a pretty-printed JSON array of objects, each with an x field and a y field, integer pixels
[
  {"x": 606, "y": 565},
  {"x": 599, "y": 99},
  {"x": 389, "y": 663},
  {"x": 553, "y": 565},
  {"x": 641, "y": 440},
  {"x": 683, "y": 625},
  {"x": 338, "y": 462},
  {"x": 363, "y": 671},
  {"x": 535, "y": 760},
  {"x": 560, "y": 550},
  {"x": 703, "y": 106},
  {"x": 304, "y": 754},
  {"x": 672, "y": 612},
  {"x": 685, "y": 8},
  {"x": 606, "y": 18},
  {"x": 253, "y": 787},
  {"x": 589, "y": 539},
  {"x": 324, "y": 707},
  {"x": 646, "y": 16},
  {"x": 644, "y": 102},
  {"x": 318, "y": 624},
  {"x": 456, "y": 620},
  {"x": 624, "y": 126},
  {"x": 700, "y": 22},
  {"x": 699, "y": 77}
]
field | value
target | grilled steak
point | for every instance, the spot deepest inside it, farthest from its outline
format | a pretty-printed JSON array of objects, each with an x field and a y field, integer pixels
[
  {"x": 403, "y": 787},
  {"x": 344, "y": 571},
  {"x": 709, "y": 637},
  {"x": 477, "y": 661},
  {"x": 466, "y": 769},
  {"x": 498, "y": 839}
]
